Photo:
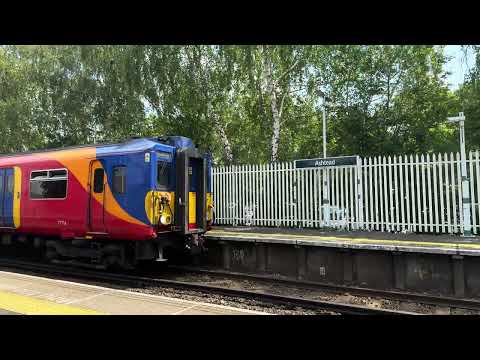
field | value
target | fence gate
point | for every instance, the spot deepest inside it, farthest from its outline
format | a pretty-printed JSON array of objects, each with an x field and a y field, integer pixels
[{"x": 415, "y": 193}]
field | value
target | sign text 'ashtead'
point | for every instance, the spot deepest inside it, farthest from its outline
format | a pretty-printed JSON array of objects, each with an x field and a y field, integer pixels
[{"x": 326, "y": 162}]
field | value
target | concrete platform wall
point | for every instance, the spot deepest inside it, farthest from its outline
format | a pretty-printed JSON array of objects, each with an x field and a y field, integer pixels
[{"x": 443, "y": 274}]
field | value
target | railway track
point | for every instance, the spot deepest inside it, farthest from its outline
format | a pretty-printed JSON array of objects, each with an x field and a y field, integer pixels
[
  {"x": 469, "y": 304},
  {"x": 115, "y": 278}
]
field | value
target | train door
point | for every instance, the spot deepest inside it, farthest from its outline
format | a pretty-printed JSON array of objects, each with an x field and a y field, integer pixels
[
  {"x": 193, "y": 173},
  {"x": 6, "y": 197},
  {"x": 191, "y": 189},
  {"x": 97, "y": 197}
]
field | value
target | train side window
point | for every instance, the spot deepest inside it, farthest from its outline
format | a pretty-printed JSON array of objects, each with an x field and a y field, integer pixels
[
  {"x": 39, "y": 174},
  {"x": 119, "y": 185},
  {"x": 57, "y": 174},
  {"x": 98, "y": 180},
  {"x": 48, "y": 184}
]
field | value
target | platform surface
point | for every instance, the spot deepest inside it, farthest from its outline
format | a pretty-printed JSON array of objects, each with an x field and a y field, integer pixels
[
  {"x": 6, "y": 312},
  {"x": 34, "y": 295},
  {"x": 424, "y": 243}
]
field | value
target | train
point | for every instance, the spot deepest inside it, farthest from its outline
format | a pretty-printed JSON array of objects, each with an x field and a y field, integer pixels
[{"x": 108, "y": 205}]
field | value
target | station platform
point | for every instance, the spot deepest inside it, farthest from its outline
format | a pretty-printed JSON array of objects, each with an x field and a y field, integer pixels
[
  {"x": 34, "y": 295},
  {"x": 398, "y": 242},
  {"x": 5, "y": 312}
]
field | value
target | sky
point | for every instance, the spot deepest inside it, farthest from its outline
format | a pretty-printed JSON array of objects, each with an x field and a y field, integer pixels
[{"x": 458, "y": 66}]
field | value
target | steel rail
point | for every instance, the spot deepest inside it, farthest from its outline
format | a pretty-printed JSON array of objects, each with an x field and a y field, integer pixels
[
  {"x": 462, "y": 303},
  {"x": 342, "y": 308}
]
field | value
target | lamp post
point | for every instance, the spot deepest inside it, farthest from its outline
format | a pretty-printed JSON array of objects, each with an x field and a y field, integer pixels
[
  {"x": 324, "y": 127},
  {"x": 467, "y": 222},
  {"x": 325, "y": 180}
]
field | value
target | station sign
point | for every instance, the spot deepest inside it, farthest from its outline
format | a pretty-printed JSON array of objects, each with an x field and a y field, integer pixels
[{"x": 326, "y": 162}]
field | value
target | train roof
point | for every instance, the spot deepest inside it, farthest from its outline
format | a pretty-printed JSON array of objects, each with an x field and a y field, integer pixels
[{"x": 127, "y": 146}]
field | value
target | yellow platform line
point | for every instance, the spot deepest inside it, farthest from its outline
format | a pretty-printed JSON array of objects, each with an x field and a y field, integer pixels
[
  {"x": 30, "y": 306},
  {"x": 349, "y": 239}
]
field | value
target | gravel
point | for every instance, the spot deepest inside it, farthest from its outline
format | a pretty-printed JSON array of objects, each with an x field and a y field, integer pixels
[
  {"x": 230, "y": 301},
  {"x": 266, "y": 286}
]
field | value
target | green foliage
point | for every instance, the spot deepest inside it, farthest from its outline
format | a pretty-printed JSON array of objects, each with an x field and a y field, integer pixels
[
  {"x": 382, "y": 99},
  {"x": 469, "y": 96}
]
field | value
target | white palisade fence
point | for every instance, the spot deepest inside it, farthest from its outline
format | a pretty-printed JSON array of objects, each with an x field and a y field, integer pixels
[{"x": 414, "y": 193}]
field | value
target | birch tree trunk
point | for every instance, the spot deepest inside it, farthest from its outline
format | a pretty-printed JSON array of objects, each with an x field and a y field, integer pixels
[
  {"x": 276, "y": 114},
  {"x": 211, "y": 113},
  {"x": 227, "y": 148}
]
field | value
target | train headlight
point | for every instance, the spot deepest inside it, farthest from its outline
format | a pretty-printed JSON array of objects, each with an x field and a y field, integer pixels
[{"x": 165, "y": 219}]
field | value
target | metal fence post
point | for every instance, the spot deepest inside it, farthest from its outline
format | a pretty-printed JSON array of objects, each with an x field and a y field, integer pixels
[
  {"x": 466, "y": 227},
  {"x": 358, "y": 182},
  {"x": 467, "y": 222},
  {"x": 325, "y": 198}
]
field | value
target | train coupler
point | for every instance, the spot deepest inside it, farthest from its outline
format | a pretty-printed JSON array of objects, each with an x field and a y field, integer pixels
[
  {"x": 160, "y": 257},
  {"x": 195, "y": 243}
]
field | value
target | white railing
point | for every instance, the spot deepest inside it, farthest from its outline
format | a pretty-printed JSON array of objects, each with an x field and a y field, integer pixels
[{"x": 415, "y": 193}]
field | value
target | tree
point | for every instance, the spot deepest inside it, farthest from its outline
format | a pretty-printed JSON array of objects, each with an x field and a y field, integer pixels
[
  {"x": 247, "y": 104},
  {"x": 18, "y": 131},
  {"x": 386, "y": 98},
  {"x": 469, "y": 99},
  {"x": 275, "y": 73}
]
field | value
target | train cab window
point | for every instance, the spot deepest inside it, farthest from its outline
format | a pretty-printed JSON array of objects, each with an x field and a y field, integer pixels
[
  {"x": 48, "y": 184},
  {"x": 98, "y": 176},
  {"x": 163, "y": 175},
  {"x": 119, "y": 185}
]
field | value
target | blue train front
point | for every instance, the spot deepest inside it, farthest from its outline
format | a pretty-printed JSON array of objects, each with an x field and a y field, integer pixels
[
  {"x": 179, "y": 200},
  {"x": 182, "y": 200}
]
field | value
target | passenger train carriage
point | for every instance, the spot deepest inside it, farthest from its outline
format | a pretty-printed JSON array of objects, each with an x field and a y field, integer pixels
[{"x": 107, "y": 204}]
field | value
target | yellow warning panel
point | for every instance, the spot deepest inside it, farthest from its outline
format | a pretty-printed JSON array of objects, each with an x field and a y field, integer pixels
[
  {"x": 192, "y": 207},
  {"x": 209, "y": 206},
  {"x": 30, "y": 306},
  {"x": 17, "y": 195},
  {"x": 153, "y": 206}
]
